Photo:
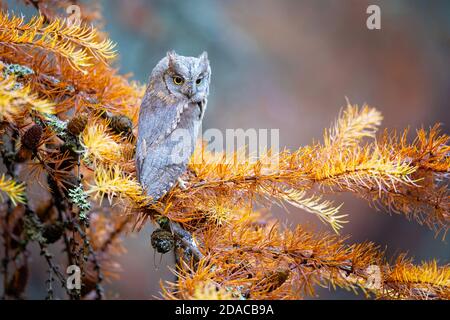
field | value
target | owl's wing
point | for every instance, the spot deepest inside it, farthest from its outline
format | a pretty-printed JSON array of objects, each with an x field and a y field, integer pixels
[
  {"x": 159, "y": 174},
  {"x": 156, "y": 120},
  {"x": 156, "y": 117}
]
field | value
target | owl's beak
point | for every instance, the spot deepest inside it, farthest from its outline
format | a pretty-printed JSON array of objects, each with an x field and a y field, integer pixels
[{"x": 191, "y": 92}]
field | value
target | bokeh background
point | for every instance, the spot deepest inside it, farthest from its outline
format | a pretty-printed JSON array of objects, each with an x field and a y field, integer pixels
[{"x": 290, "y": 65}]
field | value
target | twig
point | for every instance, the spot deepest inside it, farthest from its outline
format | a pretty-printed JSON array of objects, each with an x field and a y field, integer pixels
[
  {"x": 60, "y": 205},
  {"x": 98, "y": 288},
  {"x": 48, "y": 258},
  {"x": 50, "y": 285},
  {"x": 35, "y": 4},
  {"x": 10, "y": 167},
  {"x": 112, "y": 235},
  {"x": 186, "y": 240}
]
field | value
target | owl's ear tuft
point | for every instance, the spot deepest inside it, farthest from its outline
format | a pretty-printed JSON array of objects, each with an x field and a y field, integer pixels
[
  {"x": 171, "y": 56},
  {"x": 203, "y": 56}
]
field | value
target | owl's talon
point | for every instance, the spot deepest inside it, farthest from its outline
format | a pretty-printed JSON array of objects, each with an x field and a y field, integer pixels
[{"x": 182, "y": 184}]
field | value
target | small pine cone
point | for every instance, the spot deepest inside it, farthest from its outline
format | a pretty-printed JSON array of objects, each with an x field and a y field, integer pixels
[
  {"x": 31, "y": 137},
  {"x": 77, "y": 124},
  {"x": 121, "y": 124},
  {"x": 52, "y": 232},
  {"x": 162, "y": 240}
]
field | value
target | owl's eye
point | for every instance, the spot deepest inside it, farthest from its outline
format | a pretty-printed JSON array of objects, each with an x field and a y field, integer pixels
[
  {"x": 199, "y": 80},
  {"x": 178, "y": 80}
]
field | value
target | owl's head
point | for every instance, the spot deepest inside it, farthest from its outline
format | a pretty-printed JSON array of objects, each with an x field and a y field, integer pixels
[{"x": 188, "y": 77}]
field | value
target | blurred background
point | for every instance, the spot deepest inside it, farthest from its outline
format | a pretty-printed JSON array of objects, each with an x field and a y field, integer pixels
[{"x": 289, "y": 65}]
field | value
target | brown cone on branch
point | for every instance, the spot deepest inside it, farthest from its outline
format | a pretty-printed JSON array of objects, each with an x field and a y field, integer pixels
[
  {"x": 77, "y": 124},
  {"x": 32, "y": 137}
]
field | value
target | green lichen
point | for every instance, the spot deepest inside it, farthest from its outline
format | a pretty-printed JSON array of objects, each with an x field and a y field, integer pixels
[
  {"x": 57, "y": 125},
  {"x": 60, "y": 128},
  {"x": 236, "y": 292},
  {"x": 79, "y": 197},
  {"x": 33, "y": 229},
  {"x": 16, "y": 70}
]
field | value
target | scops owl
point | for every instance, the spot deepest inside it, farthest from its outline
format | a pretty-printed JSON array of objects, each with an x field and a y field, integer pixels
[{"x": 169, "y": 120}]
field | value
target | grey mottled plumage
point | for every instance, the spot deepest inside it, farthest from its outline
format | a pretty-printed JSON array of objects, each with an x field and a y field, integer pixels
[{"x": 169, "y": 120}]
